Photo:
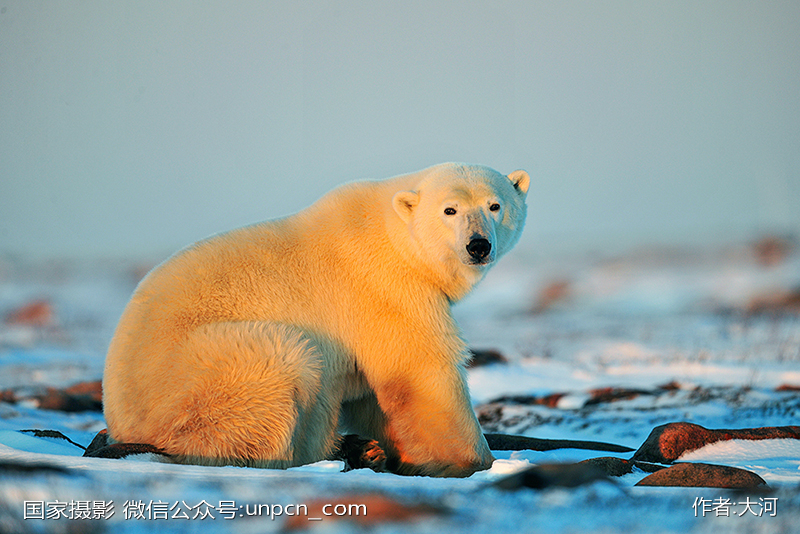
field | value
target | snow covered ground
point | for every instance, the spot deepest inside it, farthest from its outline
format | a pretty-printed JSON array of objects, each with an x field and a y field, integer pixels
[{"x": 670, "y": 326}]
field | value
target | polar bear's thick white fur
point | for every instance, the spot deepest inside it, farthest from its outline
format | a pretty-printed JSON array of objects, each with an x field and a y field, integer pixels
[{"x": 253, "y": 346}]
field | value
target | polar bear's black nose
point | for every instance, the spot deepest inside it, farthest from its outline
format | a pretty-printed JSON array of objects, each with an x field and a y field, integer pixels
[{"x": 479, "y": 248}]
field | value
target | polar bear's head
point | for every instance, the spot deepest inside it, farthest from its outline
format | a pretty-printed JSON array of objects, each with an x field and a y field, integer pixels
[{"x": 464, "y": 214}]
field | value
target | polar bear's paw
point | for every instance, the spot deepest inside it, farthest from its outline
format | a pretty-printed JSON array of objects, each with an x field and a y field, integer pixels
[{"x": 360, "y": 453}]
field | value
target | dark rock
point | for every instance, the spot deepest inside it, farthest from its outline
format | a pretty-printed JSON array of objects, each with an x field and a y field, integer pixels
[
  {"x": 613, "y": 467},
  {"x": 122, "y": 450},
  {"x": 99, "y": 441},
  {"x": 479, "y": 358},
  {"x": 93, "y": 389},
  {"x": 666, "y": 443},
  {"x": 489, "y": 414},
  {"x": 508, "y": 442},
  {"x": 699, "y": 475},
  {"x": 80, "y": 397},
  {"x": 606, "y": 395},
  {"x": 63, "y": 401},
  {"x": 544, "y": 476},
  {"x": 617, "y": 467},
  {"x": 55, "y": 434}
]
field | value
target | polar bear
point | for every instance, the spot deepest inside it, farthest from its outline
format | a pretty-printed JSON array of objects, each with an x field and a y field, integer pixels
[{"x": 253, "y": 347}]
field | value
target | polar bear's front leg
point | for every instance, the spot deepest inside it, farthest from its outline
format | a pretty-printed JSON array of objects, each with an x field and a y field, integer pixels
[{"x": 430, "y": 426}]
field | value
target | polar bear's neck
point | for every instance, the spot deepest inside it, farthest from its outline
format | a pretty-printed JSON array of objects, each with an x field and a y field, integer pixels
[{"x": 376, "y": 241}]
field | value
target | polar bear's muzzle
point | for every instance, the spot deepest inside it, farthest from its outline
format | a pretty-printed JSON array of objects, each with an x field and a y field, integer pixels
[{"x": 479, "y": 249}]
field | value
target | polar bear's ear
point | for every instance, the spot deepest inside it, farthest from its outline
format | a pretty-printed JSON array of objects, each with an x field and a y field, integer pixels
[
  {"x": 404, "y": 203},
  {"x": 520, "y": 180}
]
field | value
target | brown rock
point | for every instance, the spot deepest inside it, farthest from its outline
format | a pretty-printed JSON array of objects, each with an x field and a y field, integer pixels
[
  {"x": 670, "y": 386},
  {"x": 698, "y": 475},
  {"x": 80, "y": 397},
  {"x": 35, "y": 313},
  {"x": 551, "y": 400},
  {"x": 551, "y": 294},
  {"x": 772, "y": 250},
  {"x": 776, "y": 303},
  {"x": 666, "y": 443}
]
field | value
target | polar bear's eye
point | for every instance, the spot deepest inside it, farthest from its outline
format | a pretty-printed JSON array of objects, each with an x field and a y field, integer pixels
[
  {"x": 494, "y": 207},
  {"x": 449, "y": 211}
]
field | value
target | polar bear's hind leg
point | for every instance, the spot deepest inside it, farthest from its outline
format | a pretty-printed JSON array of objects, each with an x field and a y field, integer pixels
[{"x": 245, "y": 387}]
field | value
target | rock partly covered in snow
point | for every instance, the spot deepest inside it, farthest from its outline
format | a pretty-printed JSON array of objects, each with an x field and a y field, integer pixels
[{"x": 667, "y": 443}]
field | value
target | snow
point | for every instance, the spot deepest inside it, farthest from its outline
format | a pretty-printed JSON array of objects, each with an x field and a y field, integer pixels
[{"x": 668, "y": 324}]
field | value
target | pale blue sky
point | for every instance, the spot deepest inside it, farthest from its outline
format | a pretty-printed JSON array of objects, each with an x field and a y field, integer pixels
[{"x": 135, "y": 128}]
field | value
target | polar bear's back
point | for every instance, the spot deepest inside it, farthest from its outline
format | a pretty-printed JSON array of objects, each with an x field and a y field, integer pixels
[{"x": 301, "y": 271}]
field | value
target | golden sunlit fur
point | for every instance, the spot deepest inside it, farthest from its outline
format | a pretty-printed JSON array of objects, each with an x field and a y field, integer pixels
[{"x": 252, "y": 347}]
